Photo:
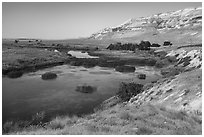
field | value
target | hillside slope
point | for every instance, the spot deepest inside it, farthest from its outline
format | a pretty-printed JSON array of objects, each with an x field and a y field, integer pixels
[{"x": 182, "y": 26}]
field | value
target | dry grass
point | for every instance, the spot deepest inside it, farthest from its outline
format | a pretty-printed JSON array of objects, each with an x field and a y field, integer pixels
[
  {"x": 148, "y": 119},
  {"x": 19, "y": 58}
]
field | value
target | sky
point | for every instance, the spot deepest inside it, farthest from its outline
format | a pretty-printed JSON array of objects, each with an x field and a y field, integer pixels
[{"x": 64, "y": 20}]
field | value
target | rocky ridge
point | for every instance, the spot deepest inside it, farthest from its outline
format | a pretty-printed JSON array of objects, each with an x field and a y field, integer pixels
[{"x": 190, "y": 18}]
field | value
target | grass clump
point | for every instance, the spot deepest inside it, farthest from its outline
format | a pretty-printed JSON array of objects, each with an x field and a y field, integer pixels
[
  {"x": 128, "y": 90},
  {"x": 38, "y": 118},
  {"x": 56, "y": 123}
]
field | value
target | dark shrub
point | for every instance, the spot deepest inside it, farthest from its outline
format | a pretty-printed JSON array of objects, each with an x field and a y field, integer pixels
[
  {"x": 49, "y": 75},
  {"x": 15, "y": 74},
  {"x": 85, "y": 89},
  {"x": 128, "y": 90},
  {"x": 16, "y": 41},
  {"x": 144, "y": 45},
  {"x": 167, "y": 43},
  {"x": 142, "y": 76},
  {"x": 119, "y": 46},
  {"x": 155, "y": 45},
  {"x": 125, "y": 69}
]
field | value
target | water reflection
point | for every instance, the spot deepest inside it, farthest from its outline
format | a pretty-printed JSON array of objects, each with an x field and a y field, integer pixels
[{"x": 79, "y": 54}]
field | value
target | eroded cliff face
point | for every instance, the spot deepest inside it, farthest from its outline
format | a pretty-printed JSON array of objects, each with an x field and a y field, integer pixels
[
  {"x": 175, "y": 26},
  {"x": 179, "y": 92}
]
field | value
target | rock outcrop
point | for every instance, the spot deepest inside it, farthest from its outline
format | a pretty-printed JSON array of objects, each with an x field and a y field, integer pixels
[{"x": 183, "y": 23}]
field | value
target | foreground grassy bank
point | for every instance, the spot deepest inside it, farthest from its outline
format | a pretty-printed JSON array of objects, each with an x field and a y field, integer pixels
[{"x": 121, "y": 119}]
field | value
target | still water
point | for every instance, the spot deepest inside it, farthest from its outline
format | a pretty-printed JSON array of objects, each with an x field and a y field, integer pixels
[
  {"x": 79, "y": 54},
  {"x": 29, "y": 94}
]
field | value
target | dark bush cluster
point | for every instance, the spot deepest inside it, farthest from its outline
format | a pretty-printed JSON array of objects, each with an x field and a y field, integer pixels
[
  {"x": 167, "y": 43},
  {"x": 155, "y": 45},
  {"x": 143, "y": 45},
  {"x": 120, "y": 46},
  {"x": 128, "y": 90}
]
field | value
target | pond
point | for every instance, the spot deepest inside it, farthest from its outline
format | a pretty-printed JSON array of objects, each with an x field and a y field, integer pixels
[
  {"x": 80, "y": 54},
  {"x": 29, "y": 94}
]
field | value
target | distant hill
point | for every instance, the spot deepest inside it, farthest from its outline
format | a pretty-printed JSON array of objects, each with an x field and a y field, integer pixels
[{"x": 180, "y": 27}]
